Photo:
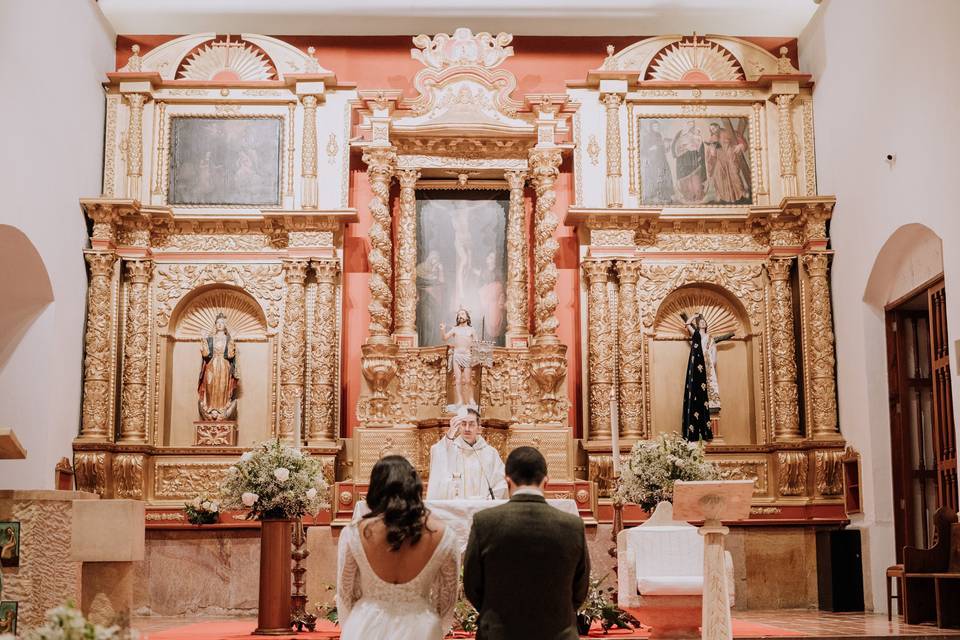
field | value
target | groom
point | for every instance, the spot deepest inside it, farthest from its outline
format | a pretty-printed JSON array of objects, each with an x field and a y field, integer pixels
[{"x": 526, "y": 567}]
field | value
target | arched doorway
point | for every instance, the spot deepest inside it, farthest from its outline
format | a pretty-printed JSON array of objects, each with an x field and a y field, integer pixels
[{"x": 25, "y": 295}]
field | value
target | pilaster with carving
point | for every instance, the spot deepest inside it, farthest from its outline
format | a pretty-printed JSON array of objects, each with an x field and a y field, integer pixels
[
  {"x": 97, "y": 395},
  {"x": 821, "y": 359},
  {"x": 321, "y": 429},
  {"x": 134, "y": 144},
  {"x": 292, "y": 350},
  {"x": 517, "y": 293},
  {"x": 788, "y": 153},
  {"x": 136, "y": 353},
  {"x": 309, "y": 154},
  {"x": 601, "y": 349},
  {"x": 630, "y": 348},
  {"x": 406, "y": 303},
  {"x": 612, "y": 102},
  {"x": 783, "y": 351}
]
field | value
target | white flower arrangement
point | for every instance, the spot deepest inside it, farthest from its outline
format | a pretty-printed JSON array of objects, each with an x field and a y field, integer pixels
[
  {"x": 202, "y": 510},
  {"x": 275, "y": 481},
  {"x": 67, "y": 623},
  {"x": 650, "y": 471}
]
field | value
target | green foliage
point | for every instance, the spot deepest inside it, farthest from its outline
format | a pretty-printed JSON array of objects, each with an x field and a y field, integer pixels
[
  {"x": 67, "y": 623},
  {"x": 650, "y": 471},
  {"x": 202, "y": 510},
  {"x": 599, "y": 606},
  {"x": 275, "y": 481},
  {"x": 328, "y": 608}
]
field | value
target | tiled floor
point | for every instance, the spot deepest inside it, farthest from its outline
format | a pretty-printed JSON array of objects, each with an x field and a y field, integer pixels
[{"x": 812, "y": 624}]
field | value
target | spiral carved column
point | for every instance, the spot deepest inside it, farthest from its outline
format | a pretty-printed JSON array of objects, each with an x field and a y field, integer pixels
[
  {"x": 293, "y": 350},
  {"x": 783, "y": 350},
  {"x": 321, "y": 429},
  {"x": 601, "y": 349},
  {"x": 406, "y": 304},
  {"x": 630, "y": 351},
  {"x": 517, "y": 295},
  {"x": 612, "y": 102},
  {"x": 309, "y": 152},
  {"x": 97, "y": 399},
  {"x": 822, "y": 359},
  {"x": 136, "y": 353},
  {"x": 134, "y": 144}
]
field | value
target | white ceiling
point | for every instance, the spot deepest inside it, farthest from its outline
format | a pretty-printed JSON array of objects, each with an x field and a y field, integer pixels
[{"x": 408, "y": 17}]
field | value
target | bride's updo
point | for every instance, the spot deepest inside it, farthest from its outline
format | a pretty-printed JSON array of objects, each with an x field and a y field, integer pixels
[{"x": 396, "y": 495}]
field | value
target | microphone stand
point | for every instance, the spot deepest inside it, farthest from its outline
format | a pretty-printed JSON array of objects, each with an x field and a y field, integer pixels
[{"x": 482, "y": 471}]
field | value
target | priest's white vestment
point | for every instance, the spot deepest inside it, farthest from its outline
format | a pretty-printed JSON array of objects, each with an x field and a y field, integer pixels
[{"x": 459, "y": 471}]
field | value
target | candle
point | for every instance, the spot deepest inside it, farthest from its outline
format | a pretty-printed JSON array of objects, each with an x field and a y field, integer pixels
[{"x": 615, "y": 431}]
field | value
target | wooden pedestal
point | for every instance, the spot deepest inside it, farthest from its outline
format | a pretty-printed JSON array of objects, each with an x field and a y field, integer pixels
[{"x": 273, "y": 614}]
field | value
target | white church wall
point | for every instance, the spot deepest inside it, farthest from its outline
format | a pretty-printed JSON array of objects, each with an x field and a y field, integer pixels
[
  {"x": 51, "y": 113},
  {"x": 881, "y": 69}
]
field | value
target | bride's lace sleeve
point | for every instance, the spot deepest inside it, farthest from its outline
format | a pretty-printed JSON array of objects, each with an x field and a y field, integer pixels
[
  {"x": 446, "y": 585},
  {"x": 348, "y": 576}
]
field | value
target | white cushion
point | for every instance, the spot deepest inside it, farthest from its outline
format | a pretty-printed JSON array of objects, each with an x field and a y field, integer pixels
[{"x": 670, "y": 585}]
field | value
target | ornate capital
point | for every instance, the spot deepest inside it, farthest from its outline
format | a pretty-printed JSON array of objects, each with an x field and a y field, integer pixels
[
  {"x": 816, "y": 264},
  {"x": 516, "y": 179},
  {"x": 101, "y": 263},
  {"x": 380, "y": 162},
  {"x": 139, "y": 271},
  {"x": 628, "y": 271},
  {"x": 408, "y": 178},
  {"x": 611, "y": 100},
  {"x": 326, "y": 270},
  {"x": 544, "y": 167},
  {"x": 596, "y": 270},
  {"x": 779, "y": 268},
  {"x": 295, "y": 271}
]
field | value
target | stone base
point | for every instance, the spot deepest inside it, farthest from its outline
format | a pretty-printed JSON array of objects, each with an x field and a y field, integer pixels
[
  {"x": 107, "y": 592},
  {"x": 669, "y": 616},
  {"x": 208, "y": 433}
]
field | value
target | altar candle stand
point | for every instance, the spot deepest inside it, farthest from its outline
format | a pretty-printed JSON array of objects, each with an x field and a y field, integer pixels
[
  {"x": 713, "y": 501},
  {"x": 615, "y": 480}
]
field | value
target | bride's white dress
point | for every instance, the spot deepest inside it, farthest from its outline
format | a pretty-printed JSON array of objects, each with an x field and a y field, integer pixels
[{"x": 420, "y": 609}]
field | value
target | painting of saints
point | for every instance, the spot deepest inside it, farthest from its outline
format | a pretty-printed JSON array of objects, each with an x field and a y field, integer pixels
[
  {"x": 728, "y": 170},
  {"x": 655, "y": 175},
  {"x": 688, "y": 151},
  {"x": 430, "y": 286}
]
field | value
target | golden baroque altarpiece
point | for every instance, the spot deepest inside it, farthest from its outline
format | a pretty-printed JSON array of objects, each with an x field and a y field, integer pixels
[{"x": 750, "y": 252}]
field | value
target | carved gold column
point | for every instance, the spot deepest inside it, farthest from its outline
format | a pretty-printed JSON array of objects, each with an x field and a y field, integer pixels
[
  {"x": 134, "y": 144},
  {"x": 630, "y": 351},
  {"x": 379, "y": 363},
  {"x": 308, "y": 159},
  {"x": 612, "y": 102},
  {"x": 406, "y": 273},
  {"x": 783, "y": 350},
  {"x": 788, "y": 154},
  {"x": 292, "y": 350},
  {"x": 97, "y": 362},
  {"x": 326, "y": 346},
  {"x": 136, "y": 353},
  {"x": 517, "y": 295},
  {"x": 821, "y": 359},
  {"x": 601, "y": 354}
]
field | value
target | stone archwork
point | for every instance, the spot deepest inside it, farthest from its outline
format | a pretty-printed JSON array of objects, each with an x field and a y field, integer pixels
[
  {"x": 544, "y": 169},
  {"x": 821, "y": 357},
  {"x": 601, "y": 355},
  {"x": 792, "y": 473},
  {"x": 134, "y": 144},
  {"x": 630, "y": 351},
  {"x": 325, "y": 349},
  {"x": 787, "y": 144},
  {"x": 517, "y": 258},
  {"x": 406, "y": 281},
  {"x": 136, "y": 353},
  {"x": 90, "y": 468},
  {"x": 380, "y": 163},
  {"x": 128, "y": 475},
  {"x": 293, "y": 351},
  {"x": 309, "y": 153},
  {"x": 612, "y": 102},
  {"x": 783, "y": 351},
  {"x": 829, "y": 472},
  {"x": 97, "y": 395}
]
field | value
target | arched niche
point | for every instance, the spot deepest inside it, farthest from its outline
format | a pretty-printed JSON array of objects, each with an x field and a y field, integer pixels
[
  {"x": 669, "y": 344},
  {"x": 24, "y": 296},
  {"x": 191, "y": 321}
]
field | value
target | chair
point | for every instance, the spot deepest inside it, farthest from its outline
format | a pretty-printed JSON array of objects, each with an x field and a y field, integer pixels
[
  {"x": 931, "y": 577},
  {"x": 894, "y": 572},
  {"x": 660, "y": 574}
]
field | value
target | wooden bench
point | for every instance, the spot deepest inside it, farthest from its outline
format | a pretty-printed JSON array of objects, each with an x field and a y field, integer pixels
[{"x": 931, "y": 577}]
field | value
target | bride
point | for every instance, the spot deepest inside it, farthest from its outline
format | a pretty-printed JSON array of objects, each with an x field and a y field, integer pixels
[{"x": 398, "y": 566}]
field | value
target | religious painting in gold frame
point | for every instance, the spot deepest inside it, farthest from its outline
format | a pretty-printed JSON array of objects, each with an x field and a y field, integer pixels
[
  {"x": 687, "y": 160},
  {"x": 225, "y": 161}
]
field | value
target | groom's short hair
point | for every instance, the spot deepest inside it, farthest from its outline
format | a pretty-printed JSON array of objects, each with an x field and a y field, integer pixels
[{"x": 526, "y": 466}]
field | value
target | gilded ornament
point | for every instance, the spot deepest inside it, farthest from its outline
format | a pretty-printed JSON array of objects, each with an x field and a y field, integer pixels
[
  {"x": 829, "y": 472},
  {"x": 544, "y": 168},
  {"x": 325, "y": 348},
  {"x": 630, "y": 357},
  {"x": 601, "y": 349},
  {"x": 134, "y": 144},
  {"x": 293, "y": 350},
  {"x": 809, "y": 149},
  {"x": 179, "y": 480},
  {"x": 820, "y": 355},
  {"x": 792, "y": 473},
  {"x": 97, "y": 397},
  {"x": 406, "y": 272},
  {"x": 593, "y": 150},
  {"x": 783, "y": 351},
  {"x": 90, "y": 468},
  {"x": 136, "y": 353},
  {"x": 612, "y": 102},
  {"x": 110, "y": 146},
  {"x": 788, "y": 161},
  {"x": 380, "y": 161},
  {"x": 517, "y": 258},
  {"x": 128, "y": 475}
]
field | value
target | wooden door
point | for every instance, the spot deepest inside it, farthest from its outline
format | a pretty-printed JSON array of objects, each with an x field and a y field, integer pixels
[{"x": 944, "y": 435}]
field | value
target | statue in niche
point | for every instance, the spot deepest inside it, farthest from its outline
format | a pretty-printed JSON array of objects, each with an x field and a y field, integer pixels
[
  {"x": 461, "y": 360},
  {"x": 701, "y": 394},
  {"x": 219, "y": 377}
]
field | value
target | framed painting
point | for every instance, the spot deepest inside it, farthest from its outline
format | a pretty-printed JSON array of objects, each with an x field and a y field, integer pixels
[
  {"x": 9, "y": 544},
  {"x": 8, "y": 617},
  {"x": 217, "y": 161},
  {"x": 694, "y": 160},
  {"x": 461, "y": 263}
]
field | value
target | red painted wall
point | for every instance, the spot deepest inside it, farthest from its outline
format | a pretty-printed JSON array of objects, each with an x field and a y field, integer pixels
[{"x": 541, "y": 65}]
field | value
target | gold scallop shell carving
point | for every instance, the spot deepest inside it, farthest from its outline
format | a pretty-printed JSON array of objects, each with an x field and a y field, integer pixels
[
  {"x": 719, "y": 313},
  {"x": 244, "y": 316}
]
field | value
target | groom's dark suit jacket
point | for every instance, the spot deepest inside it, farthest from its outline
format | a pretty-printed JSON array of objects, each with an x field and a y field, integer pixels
[{"x": 526, "y": 570}]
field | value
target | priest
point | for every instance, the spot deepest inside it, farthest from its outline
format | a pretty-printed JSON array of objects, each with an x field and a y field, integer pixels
[{"x": 463, "y": 465}]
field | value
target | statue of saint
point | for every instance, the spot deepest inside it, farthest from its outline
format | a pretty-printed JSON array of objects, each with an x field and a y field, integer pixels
[
  {"x": 701, "y": 394},
  {"x": 461, "y": 360},
  {"x": 219, "y": 377}
]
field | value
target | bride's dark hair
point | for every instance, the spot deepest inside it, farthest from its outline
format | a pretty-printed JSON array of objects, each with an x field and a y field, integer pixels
[{"x": 396, "y": 495}]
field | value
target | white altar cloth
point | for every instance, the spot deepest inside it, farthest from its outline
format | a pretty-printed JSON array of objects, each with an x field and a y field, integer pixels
[{"x": 458, "y": 514}]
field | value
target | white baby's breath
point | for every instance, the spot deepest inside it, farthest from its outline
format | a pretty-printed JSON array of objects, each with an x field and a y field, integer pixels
[{"x": 650, "y": 471}]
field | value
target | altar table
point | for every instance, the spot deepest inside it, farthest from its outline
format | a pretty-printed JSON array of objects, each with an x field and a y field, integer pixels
[{"x": 458, "y": 514}]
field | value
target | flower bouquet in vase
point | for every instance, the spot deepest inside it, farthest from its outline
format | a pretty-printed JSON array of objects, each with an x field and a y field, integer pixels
[
  {"x": 277, "y": 484},
  {"x": 202, "y": 510}
]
